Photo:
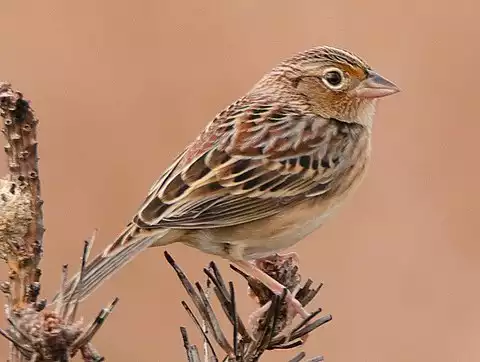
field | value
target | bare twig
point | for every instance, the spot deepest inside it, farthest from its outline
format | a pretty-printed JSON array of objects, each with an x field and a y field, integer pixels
[
  {"x": 21, "y": 219},
  {"x": 34, "y": 333},
  {"x": 271, "y": 330},
  {"x": 42, "y": 335}
]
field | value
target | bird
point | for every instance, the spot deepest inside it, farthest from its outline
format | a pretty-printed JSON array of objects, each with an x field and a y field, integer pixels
[{"x": 267, "y": 171}]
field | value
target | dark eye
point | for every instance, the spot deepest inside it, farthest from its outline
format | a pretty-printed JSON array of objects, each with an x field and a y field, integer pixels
[{"x": 333, "y": 78}]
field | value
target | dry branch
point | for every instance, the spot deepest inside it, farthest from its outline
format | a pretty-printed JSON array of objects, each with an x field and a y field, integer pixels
[
  {"x": 21, "y": 221},
  {"x": 35, "y": 333},
  {"x": 271, "y": 326}
]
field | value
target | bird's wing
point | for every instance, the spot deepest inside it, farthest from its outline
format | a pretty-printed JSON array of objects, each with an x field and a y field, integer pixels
[{"x": 252, "y": 161}]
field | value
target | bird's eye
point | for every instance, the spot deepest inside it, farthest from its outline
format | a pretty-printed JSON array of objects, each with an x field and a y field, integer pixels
[{"x": 333, "y": 78}]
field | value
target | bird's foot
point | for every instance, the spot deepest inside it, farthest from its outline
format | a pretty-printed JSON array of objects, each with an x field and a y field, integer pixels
[
  {"x": 265, "y": 272},
  {"x": 292, "y": 307},
  {"x": 254, "y": 319}
]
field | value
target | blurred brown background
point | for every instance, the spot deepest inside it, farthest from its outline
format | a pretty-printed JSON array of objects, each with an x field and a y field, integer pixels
[{"x": 121, "y": 87}]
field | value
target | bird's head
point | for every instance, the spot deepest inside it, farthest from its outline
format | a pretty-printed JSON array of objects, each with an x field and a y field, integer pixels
[{"x": 334, "y": 83}]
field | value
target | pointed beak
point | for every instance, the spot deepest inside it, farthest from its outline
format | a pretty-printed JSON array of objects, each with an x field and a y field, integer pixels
[{"x": 375, "y": 86}]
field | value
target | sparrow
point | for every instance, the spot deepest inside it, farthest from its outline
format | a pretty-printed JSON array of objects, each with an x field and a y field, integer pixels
[{"x": 265, "y": 172}]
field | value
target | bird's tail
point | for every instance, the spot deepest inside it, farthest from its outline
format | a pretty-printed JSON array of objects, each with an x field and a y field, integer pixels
[{"x": 131, "y": 242}]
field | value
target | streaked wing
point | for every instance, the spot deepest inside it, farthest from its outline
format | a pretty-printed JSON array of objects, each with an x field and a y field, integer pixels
[{"x": 254, "y": 160}]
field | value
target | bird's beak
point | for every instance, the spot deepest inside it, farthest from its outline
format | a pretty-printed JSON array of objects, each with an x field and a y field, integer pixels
[{"x": 375, "y": 86}]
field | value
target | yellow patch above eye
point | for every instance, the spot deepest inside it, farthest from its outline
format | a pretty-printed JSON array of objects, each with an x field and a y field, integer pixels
[
  {"x": 354, "y": 72},
  {"x": 348, "y": 69}
]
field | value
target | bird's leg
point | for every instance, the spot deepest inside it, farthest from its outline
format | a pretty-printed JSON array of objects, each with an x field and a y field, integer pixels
[{"x": 276, "y": 287}]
